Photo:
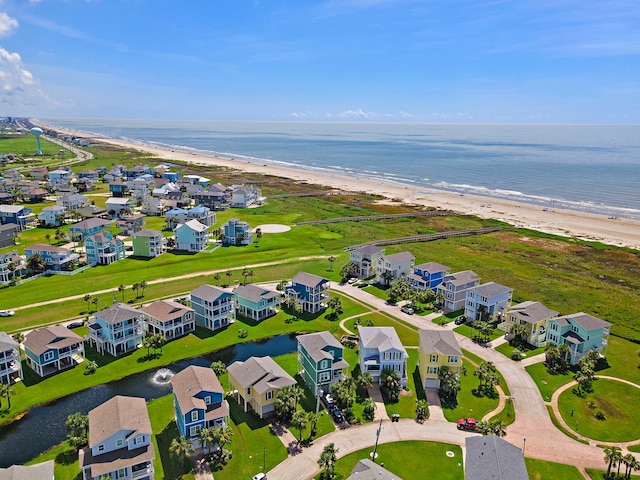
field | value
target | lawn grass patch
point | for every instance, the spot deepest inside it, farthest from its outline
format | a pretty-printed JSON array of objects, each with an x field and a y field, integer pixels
[
  {"x": 601, "y": 474},
  {"x": 546, "y": 380},
  {"x": 529, "y": 351},
  {"x": 559, "y": 426},
  {"x": 408, "y": 335},
  {"x": 468, "y": 331},
  {"x": 66, "y": 466},
  {"x": 406, "y": 405},
  {"x": 542, "y": 470}
]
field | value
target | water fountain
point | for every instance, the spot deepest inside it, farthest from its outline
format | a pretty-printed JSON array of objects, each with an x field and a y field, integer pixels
[{"x": 162, "y": 376}]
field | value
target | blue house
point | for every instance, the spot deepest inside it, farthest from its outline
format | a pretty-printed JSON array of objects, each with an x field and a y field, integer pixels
[
  {"x": 427, "y": 276},
  {"x": 103, "y": 249},
  {"x": 214, "y": 308},
  {"x": 90, "y": 226},
  {"x": 310, "y": 291},
  {"x": 171, "y": 176},
  {"x": 191, "y": 236},
  {"x": 18, "y": 215},
  {"x": 236, "y": 233},
  {"x": 55, "y": 258},
  {"x": 117, "y": 330},
  {"x": 52, "y": 216},
  {"x": 118, "y": 189},
  {"x": 488, "y": 302},
  {"x": 321, "y": 360},
  {"x": 256, "y": 302},
  {"x": 180, "y": 215},
  {"x": 198, "y": 402},
  {"x": 51, "y": 349},
  {"x": 581, "y": 331}
]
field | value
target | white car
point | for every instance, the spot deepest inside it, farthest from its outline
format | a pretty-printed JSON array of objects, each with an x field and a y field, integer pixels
[
  {"x": 259, "y": 476},
  {"x": 7, "y": 313}
]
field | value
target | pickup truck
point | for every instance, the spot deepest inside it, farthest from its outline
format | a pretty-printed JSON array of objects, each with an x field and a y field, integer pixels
[{"x": 467, "y": 424}]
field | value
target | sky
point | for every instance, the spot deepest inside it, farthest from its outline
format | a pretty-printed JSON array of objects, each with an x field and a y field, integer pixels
[{"x": 471, "y": 61}]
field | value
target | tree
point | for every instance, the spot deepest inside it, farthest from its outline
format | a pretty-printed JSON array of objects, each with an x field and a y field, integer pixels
[
  {"x": 612, "y": 456},
  {"x": 181, "y": 447},
  {"x": 146, "y": 343},
  {"x": 48, "y": 237},
  {"x": 206, "y": 437},
  {"x": 390, "y": 385},
  {"x": 221, "y": 436},
  {"x": 143, "y": 285},
  {"x": 157, "y": 342},
  {"x": 327, "y": 460},
  {"x": 335, "y": 304},
  {"x": 229, "y": 274},
  {"x": 91, "y": 367},
  {"x": 369, "y": 409},
  {"x": 218, "y": 367},
  {"x": 12, "y": 267},
  {"x": 364, "y": 381},
  {"x": 487, "y": 374},
  {"x": 519, "y": 334},
  {"x": 87, "y": 298},
  {"x": 631, "y": 464},
  {"x": 422, "y": 409},
  {"x": 216, "y": 278},
  {"x": 239, "y": 238},
  {"x": 18, "y": 337},
  {"x": 400, "y": 290},
  {"x": 135, "y": 287},
  {"x": 77, "y": 430},
  {"x": 6, "y": 391},
  {"x": 344, "y": 392},
  {"x": 287, "y": 400},
  {"x": 95, "y": 301},
  {"x": 331, "y": 260},
  {"x": 347, "y": 270},
  {"x": 121, "y": 290},
  {"x": 258, "y": 234},
  {"x": 449, "y": 383},
  {"x": 245, "y": 274},
  {"x": 36, "y": 263},
  {"x": 299, "y": 420}
]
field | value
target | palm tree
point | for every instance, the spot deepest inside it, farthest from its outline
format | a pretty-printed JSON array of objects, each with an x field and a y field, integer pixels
[
  {"x": 135, "y": 287},
  {"x": 239, "y": 238},
  {"x": 36, "y": 263},
  {"x": 258, "y": 234},
  {"x": 221, "y": 436},
  {"x": 612, "y": 455},
  {"x": 216, "y": 277},
  {"x": 498, "y": 428},
  {"x": 12, "y": 267},
  {"x": 229, "y": 274},
  {"x": 95, "y": 301},
  {"x": 143, "y": 285},
  {"x": 328, "y": 459},
  {"x": 18, "y": 337},
  {"x": 331, "y": 260},
  {"x": 7, "y": 391},
  {"x": 146, "y": 343},
  {"x": 121, "y": 289},
  {"x": 207, "y": 439},
  {"x": 87, "y": 298},
  {"x": 299, "y": 421},
  {"x": 390, "y": 385},
  {"x": 245, "y": 274},
  {"x": 422, "y": 409},
  {"x": 364, "y": 381},
  {"x": 218, "y": 367},
  {"x": 48, "y": 237},
  {"x": 369, "y": 408},
  {"x": 181, "y": 447}
]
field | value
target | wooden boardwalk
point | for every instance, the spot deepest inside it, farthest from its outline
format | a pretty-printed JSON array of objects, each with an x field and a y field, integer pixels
[
  {"x": 434, "y": 213},
  {"x": 426, "y": 238}
]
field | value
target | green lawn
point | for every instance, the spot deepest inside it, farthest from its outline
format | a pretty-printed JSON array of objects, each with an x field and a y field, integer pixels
[
  {"x": 616, "y": 399},
  {"x": 470, "y": 332},
  {"x": 66, "y": 466},
  {"x": 600, "y": 474},
  {"x": 547, "y": 381},
  {"x": 411, "y": 460},
  {"x": 541, "y": 470},
  {"x": 506, "y": 349},
  {"x": 408, "y": 335},
  {"x": 406, "y": 406}
]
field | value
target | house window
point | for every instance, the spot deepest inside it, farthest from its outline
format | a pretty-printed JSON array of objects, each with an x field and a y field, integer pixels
[
  {"x": 270, "y": 395},
  {"x": 207, "y": 400},
  {"x": 101, "y": 448},
  {"x": 453, "y": 359},
  {"x": 433, "y": 370},
  {"x": 324, "y": 364},
  {"x": 138, "y": 440},
  {"x": 324, "y": 377},
  {"x": 248, "y": 390},
  {"x": 194, "y": 416},
  {"x": 119, "y": 442},
  {"x": 194, "y": 431},
  {"x": 122, "y": 473},
  {"x": 434, "y": 358},
  {"x": 47, "y": 356}
]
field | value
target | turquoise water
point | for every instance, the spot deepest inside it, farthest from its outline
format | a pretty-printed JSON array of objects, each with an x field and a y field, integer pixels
[{"x": 593, "y": 168}]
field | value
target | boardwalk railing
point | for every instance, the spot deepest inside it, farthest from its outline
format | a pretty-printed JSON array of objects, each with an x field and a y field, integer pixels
[
  {"x": 314, "y": 194},
  {"x": 434, "y": 213},
  {"x": 426, "y": 237}
]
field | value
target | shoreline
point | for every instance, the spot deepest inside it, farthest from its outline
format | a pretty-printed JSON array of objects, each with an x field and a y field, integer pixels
[{"x": 616, "y": 231}]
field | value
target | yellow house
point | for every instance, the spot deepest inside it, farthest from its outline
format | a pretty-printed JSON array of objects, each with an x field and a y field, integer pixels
[
  {"x": 437, "y": 349},
  {"x": 533, "y": 316},
  {"x": 256, "y": 383}
]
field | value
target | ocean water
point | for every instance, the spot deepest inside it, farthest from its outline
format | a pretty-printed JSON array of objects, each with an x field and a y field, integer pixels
[{"x": 594, "y": 168}]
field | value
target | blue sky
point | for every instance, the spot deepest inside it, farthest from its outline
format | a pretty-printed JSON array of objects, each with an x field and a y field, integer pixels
[{"x": 549, "y": 61}]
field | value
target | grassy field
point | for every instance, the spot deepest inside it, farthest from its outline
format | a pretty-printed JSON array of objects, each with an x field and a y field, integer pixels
[
  {"x": 547, "y": 381},
  {"x": 507, "y": 349},
  {"x": 600, "y": 474},
  {"x": 410, "y": 460},
  {"x": 541, "y": 470}
]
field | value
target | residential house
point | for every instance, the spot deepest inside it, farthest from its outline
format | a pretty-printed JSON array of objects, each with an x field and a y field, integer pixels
[
  {"x": 119, "y": 441},
  {"x": 243, "y": 196},
  {"x": 6, "y": 198},
  {"x": 131, "y": 224},
  {"x": 380, "y": 349},
  {"x": 139, "y": 170},
  {"x": 427, "y": 276},
  {"x": 191, "y": 236},
  {"x": 85, "y": 184},
  {"x": 34, "y": 195},
  {"x": 152, "y": 207},
  {"x": 103, "y": 248},
  {"x": 214, "y": 307},
  {"x": 198, "y": 402},
  {"x": 91, "y": 211},
  {"x": 117, "y": 329},
  {"x": 366, "y": 259},
  {"x": 214, "y": 200},
  {"x": 172, "y": 177},
  {"x": 37, "y": 471},
  {"x": 55, "y": 258},
  {"x": 10, "y": 365},
  {"x": 582, "y": 332},
  {"x": 90, "y": 226},
  {"x": 195, "y": 180},
  {"x": 73, "y": 201},
  {"x": 366, "y": 469},
  {"x": 256, "y": 383},
  {"x": 64, "y": 190},
  {"x": 148, "y": 243},
  {"x": 12, "y": 265},
  {"x": 533, "y": 316},
  {"x": 310, "y": 291},
  {"x": 40, "y": 173},
  {"x": 394, "y": 267},
  {"x": 51, "y": 349},
  {"x": 199, "y": 213},
  {"x": 89, "y": 174},
  {"x": 236, "y": 233},
  {"x": 256, "y": 302},
  {"x": 321, "y": 360},
  {"x": 52, "y": 216},
  {"x": 168, "y": 318},
  {"x": 118, "y": 189},
  {"x": 59, "y": 178},
  {"x": 118, "y": 206},
  {"x": 18, "y": 215},
  {"x": 8, "y": 233},
  {"x": 489, "y": 457},
  {"x": 437, "y": 349},
  {"x": 453, "y": 289},
  {"x": 488, "y": 302}
]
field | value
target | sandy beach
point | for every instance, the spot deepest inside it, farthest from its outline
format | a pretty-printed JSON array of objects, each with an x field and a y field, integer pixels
[{"x": 586, "y": 226}]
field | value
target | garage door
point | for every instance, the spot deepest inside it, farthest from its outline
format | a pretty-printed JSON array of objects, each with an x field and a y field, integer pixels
[{"x": 430, "y": 383}]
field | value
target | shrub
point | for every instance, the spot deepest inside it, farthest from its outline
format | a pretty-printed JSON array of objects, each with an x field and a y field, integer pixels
[
  {"x": 600, "y": 415},
  {"x": 242, "y": 333},
  {"x": 516, "y": 354},
  {"x": 592, "y": 404}
]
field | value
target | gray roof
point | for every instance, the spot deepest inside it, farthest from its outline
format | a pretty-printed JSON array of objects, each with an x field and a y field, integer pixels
[
  {"x": 208, "y": 293},
  {"x": 433, "y": 267},
  {"x": 442, "y": 342},
  {"x": 382, "y": 338},
  {"x": 370, "y": 249},
  {"x": 55, "y": 337},
  {"x": 254, "y": 293},
  {"x": 261, "y": 373},
  {"x": 117, "y": 313},
  {"x": 148, "y": 233},
  {"x": 165, "y": 310},
  {"x": 491, "y": 289},
  {"x": 462, "y": 278},
  {"x": 91, "y": 223},
  {"x": 400, "y": 257},
  {"x": 41, "y": 247},
  {"x": 489, "y": 457},
  {"x": 8, "y": 226},
  {"x": 7, "y": 342},
  {"x": 118, "y": 413},
  {"x": 192, "y": 380},
  {"x": 193, "y": 225},
  {"x": 586, "y": 321},
  {"x": 314, "y": 343},
  {"x": 365, "y": 469},
  {"x": 39, "y": 471},
  {"x": 531, "y": 312},
  {"x": 308, "y": 279}
]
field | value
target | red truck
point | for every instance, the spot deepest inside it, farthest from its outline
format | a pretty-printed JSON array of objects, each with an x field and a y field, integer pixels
[{"x": 467, "y": 424}]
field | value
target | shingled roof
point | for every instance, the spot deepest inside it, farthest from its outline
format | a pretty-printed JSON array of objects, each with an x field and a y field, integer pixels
[{"x": 260, "y": 373}]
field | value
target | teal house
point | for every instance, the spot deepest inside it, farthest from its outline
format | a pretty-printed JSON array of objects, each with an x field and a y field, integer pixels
[
  {"x": 321, "y": 360},
  {"x": 256, "y": 302},
  {"x": 103, "y": 249},
  {"x": 582, "y": 332}
]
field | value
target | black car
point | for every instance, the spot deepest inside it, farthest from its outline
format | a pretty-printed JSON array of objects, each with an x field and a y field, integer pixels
[
  {"x": 460, "y": 320},
  {"x": 74, "y": 325},
  {"x": 337, "y": 415}
]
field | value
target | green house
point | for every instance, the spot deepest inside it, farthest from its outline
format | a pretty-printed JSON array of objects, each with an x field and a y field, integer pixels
[
  {"x": 321, "y": 360},
  {"x": 148, "y": 243}
]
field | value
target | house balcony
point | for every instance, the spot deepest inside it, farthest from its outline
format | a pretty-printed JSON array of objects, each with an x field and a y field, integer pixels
[
  {"x": 141, "y": 470},
  {"x": 9, "y": 368}
]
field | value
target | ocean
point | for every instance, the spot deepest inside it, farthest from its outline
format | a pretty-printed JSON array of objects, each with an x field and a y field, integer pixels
[{"x": 592, "y": 168}]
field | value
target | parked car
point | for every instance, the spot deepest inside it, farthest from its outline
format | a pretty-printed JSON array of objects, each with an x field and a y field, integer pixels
[
  {"x": 352, "y": 280},
  {"x": 337, "y": 415},
  {"x": 407, "y": 310},
  {"x": 75, "y": 325},
  {"x": 328, "y": 400},
  {"x": 467, "y": 424},
  {"x": 7, "y": 313},
  {"x": 259, "y": 476},
  {"x": 460, "y": 320}
]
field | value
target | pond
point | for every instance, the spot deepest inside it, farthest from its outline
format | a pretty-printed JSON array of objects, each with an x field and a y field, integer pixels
[{"x": 44, "y": 426}]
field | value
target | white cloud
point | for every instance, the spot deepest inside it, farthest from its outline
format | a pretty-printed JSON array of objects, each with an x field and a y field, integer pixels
[
  {"x": 359, "y": 113},
  {"x": 17, "y": 85},
  {"x": 7, "y": 24}
]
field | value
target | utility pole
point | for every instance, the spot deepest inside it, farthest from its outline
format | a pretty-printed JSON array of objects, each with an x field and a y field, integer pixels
[{"x": 375, "y": 447}]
